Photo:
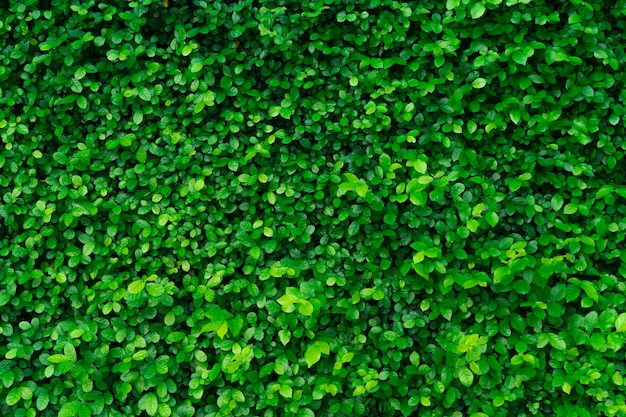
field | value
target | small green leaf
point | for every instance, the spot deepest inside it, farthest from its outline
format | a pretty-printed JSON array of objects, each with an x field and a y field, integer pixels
[
  {"x": 255, "y": 252},
  {"x": 570, "y": 208},
  {"x": 479, "y": 82},
  {"x": 82, "y": 102},
  {"x": 127, "y": 140},
  {"x": 492, "y": 218},
  {"x": 136, "y": 287},
  {"x": 418, "y": 198},
  {"x": 140, "y": 355},
  {"x": 556, "y": 202},
  {"x": 313, "y": 354},
  {"x": 187, "y": 49},
  {"x": 149, "y": 403},
  {"x": 42, "y": 400},
  {"x": 80, "y": 73},
  {"x": 412, "y": 186},
  {"x": 420, "y": 166},
  {"x": 235, "y": 325},
  {"x": 285, "y": 336},
  {"x": 466, "y": 376},
  {"x": 226, "y": 82},
  {"x": 590, "y": 290},
  {"x": 477, "y": 10},
  {"x": 88, "y": 248},
  {"x": 222, "y": 330},
  {"x": 286, "y": 391},
  {"x": 14, "y": 396},
  {"x": 306, "y": 308},
  {"x": 144, "y": 94},
  {"x": 620, "y": 323},
  {"x": 452, "y": 4},
  {"x": 70, "y": 351},
  {"x": 361, "y": 190},
  {"x": 58, "y": 358},
  {"x": 385, "y": 161},
  {"x": 69, "y": 410},
  {"x": 515, "y": 116}
]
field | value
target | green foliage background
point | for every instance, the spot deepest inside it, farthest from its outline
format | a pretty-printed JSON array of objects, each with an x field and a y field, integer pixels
[{"x": 312, "y": 208}]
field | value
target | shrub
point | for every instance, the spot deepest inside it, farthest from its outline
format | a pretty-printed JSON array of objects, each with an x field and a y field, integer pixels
[{"x": 319, "y": 208}]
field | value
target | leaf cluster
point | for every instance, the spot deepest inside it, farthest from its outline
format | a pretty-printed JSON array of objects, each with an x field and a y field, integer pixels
[{"x": 322, "y": 208}]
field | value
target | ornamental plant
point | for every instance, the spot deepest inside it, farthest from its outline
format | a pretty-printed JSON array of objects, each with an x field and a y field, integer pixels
[{"x": 320, "y": 208}]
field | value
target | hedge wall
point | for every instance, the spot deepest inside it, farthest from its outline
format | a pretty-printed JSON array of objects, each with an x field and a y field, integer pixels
[{"x": 312, "y": 208}]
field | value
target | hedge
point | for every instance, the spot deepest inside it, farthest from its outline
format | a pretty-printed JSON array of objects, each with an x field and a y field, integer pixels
[{"x": 312, "y": 208}]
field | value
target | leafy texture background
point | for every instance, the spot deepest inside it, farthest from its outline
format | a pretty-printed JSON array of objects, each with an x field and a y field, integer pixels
[{"x": 318, "y": 208}]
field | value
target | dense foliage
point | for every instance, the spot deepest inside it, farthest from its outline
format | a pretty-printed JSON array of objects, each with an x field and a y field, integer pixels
[{"x": 312, "y": 208}]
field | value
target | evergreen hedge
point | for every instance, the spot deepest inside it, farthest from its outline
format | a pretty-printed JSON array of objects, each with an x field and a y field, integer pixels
[{"x": 312, "y": 208}]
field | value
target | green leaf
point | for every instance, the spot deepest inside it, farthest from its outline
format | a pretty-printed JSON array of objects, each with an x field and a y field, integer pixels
[
  {"x": 479, "y": 83},
  {"x": 14, "y": 396},
  {"x": 515, "y": 116},
  {"x": 6, "y": 297},
  {"x": 255, "y": 252},
  {"x": 155, "y": 290},
  {"x": 58, "y": 358},
  {"x": 361, "y": 190},
  {"x": 556, "y": 202},
  {"x": 313, "y": 354},
  {"x": 187, "y": 49},
  {"x": 570, "y": 208},
  {"x": 199, "y": 106},
  {"x": 590, "y": 290},
  {"x": 500, "y": 274},
  {"x": 43, "y": 400},
  {"x": 557, "y": 342},
  {"x": 222, "y": 330},
  {"x": 353, "y": 229},
  {"x": 127, "y": 140},
  {"x": 88, "y": 248},
  {"x": 306, "y": 308},
  {"x": 604, "y": 191},
  {"x": 286, "y": 391},
  {"x": 285, "y": 336},
  {"x": 385, "y": 161},
  {"x": 466, "y": 376},
  {"x": 477, "y": 10},
  {"x": 27, "y": 393},
  {"x": 69, "y": 410},
  {"x": 236, "y": 325},
  {"x": 136, "y": 287},
  {"x": 520, "y": 57},
  {"x": 413, "y": 186},
  {"x": 620, "y": 323},
  {"x": 144, "y": 94},
  {"x": 149, "y": 403},
  {"x": 492, "y": 218},
  {"x": 420, "y": 166},
  {"x": 70, "y": 351},
  {"x": 80, "y": 73},
  {"x": 82, "y": 102},
  {"x": 141, "y": 155},
  {"x": 418, "y": 198},
  {"x": 226, "y": 83}
]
